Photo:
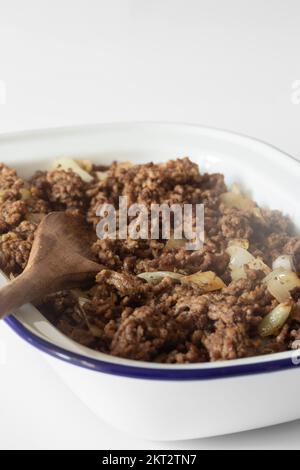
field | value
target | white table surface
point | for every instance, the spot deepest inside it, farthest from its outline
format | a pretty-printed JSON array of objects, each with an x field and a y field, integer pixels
[{"x": 223, "y": 64}]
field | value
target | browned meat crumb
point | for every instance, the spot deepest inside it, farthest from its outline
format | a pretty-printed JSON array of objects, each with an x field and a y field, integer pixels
[
  {"x": 143, "y": 333},
  {"x": 12, "y": 213},
  {"x": 9, "y": 179},
  {"x": 14, "y": 253},
  {"x": 161, "y": 321},
  {"x": 62, "y": 189}
]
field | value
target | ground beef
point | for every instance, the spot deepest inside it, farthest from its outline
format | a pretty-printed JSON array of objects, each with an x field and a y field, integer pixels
[
  {"x": 164, "y": 321},
  {"x": 14, "y": 253},
  {"x": 12, "y": 213},
  {"x": 235, "y": 224},
  {"x": 125, "y": 284},
  {"x": 145, "y": 332},
  {"x": 9, "y": 180},
  {"x": 63, "y": 189}
]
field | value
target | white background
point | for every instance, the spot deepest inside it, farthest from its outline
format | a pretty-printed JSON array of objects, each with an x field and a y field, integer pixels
[{"x": 223, "y": 63}]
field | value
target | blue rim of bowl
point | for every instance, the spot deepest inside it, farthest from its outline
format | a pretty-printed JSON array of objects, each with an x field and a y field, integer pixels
[{"x": 142, "y": 372}]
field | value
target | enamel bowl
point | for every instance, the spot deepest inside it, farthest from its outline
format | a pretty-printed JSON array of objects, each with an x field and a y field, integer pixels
[{"x": 168, "y": 402}]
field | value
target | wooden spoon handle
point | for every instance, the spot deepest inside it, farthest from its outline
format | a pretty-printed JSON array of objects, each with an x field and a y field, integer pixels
[
  {"x": 22, "y": 290},
  {"x": 36, "y": 282}
]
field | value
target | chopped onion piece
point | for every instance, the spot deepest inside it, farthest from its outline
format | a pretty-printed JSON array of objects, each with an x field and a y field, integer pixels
[
  {"x": 101, "y": 175},
  {"x": 281, "y": 282},
  {"x": 239, "y": 256},
  {"x": 238, "y": 273},
  {"x": 208, "y": 281},
  {"x": 278, "y": 290},
  {"x": 284, "y": 262},
  {"x": 70, "y": 164},
  {"x": 25, "y": 194},
  {"x": 159, "y": 275},
  {"x": 276, "y": 274},
  {"x": 241, "y": 242},
  {"x": 8, "y": 236},
  {"x": 86, "y": 165},
  {"x": 274, "y": 321},
  {"x": 257, "y": 212},
  {"x": 238, "y": 201},
  {"x": 236, "y": 189},
  {"x": 288, "y": 278}
]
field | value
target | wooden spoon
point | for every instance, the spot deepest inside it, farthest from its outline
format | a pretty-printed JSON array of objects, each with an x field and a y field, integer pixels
[{"x": 60, "y": 259}]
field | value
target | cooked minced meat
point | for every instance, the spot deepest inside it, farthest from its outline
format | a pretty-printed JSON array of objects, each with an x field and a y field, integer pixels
[{"x": 165, "y": 320}]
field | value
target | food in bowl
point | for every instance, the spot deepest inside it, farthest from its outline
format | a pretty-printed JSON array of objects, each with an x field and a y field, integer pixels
[{"x": 154, "y": 300}]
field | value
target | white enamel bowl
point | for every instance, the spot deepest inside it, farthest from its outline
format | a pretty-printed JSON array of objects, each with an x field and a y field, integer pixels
[{"x": 164, "y": 402}]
